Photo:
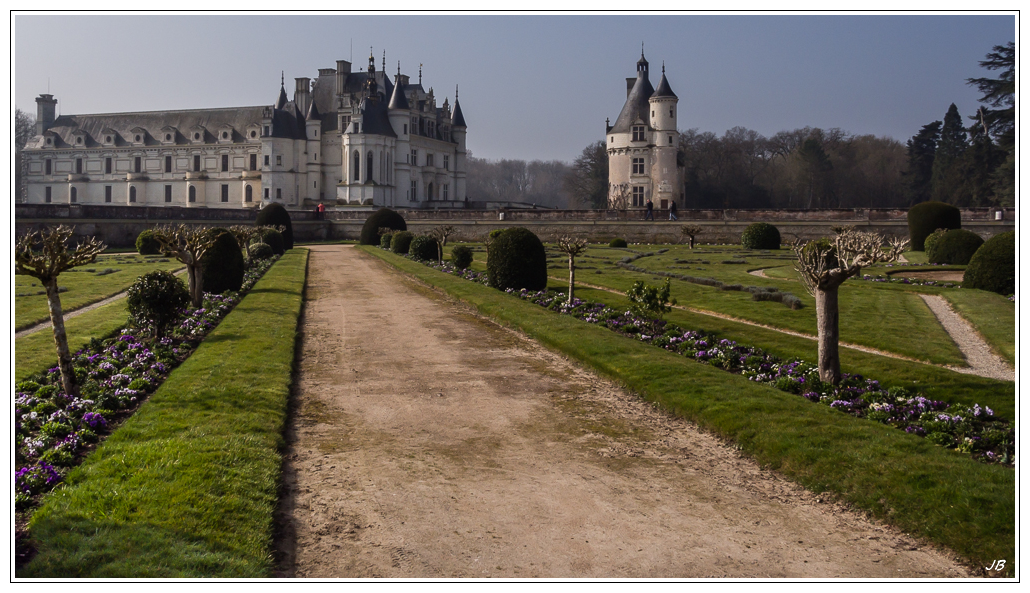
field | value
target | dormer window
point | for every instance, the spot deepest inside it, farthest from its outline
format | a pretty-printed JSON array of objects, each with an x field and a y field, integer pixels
[
  {"x": 225, "y": 135},
  {"x": 138, "y": 138},
  {"x": 78, "y": 140},
  {"x": 253, "y": 134},
  {"x": 108, "y": 139},
  {"x": 168, "y": 137},
  {"x": 196, "y": 135},
  {"x": 50, "y": 141},
  {"x": 638, "y": 133}
]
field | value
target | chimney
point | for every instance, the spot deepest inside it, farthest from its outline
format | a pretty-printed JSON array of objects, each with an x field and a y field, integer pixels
[
  {"x": 342, "y": 70},
  {"x": 46, "y": 112},
  {"x": 302, "y": 94}
]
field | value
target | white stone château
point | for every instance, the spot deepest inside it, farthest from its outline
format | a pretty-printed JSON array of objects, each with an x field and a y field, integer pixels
[
  {"x": 345, "y": 138},
  {"x": 643, "y": 144}
]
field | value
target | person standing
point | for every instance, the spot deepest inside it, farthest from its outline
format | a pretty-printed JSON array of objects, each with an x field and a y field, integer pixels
[
  {"x": 672, "y": 210},
  {"x": 321, "y": 211},
  {"x": 650, "y": 210}
]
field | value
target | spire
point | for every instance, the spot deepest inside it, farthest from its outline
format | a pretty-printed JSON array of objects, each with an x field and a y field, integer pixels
[
  {"x": 384, "y": 61},
  {"x": 457, "y": 119},
  {"x": 312, "y": 113},
  {"x": 420, "y": 75},
  {"x": 281, "y": 101},
  {"x": 397, "y": 99},
  {"x": 664, "y": 90}
]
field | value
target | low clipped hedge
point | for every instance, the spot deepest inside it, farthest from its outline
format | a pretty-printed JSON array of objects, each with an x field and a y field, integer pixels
[
  {"x": 517, "y": 259},
  {"x": 618, "y": 243},
  {"x": 146, "y": 244},
  {"x": 993, "y": 266},
  {"x": 384, "y": 241},
  {"x": 954, "y": 247},
  {"x": 260, "y": 251},
  {"x": 223, "y": 264},
  {"x": 276, "y": 215},
  {"x": 401, "y": 242},
  {"x": 760, "y": 235},
  {"x": 926, "y": 217},
  {"x": 380, "y": 219},
  {"x": 273, "y": 239},
  {"x": 461, "y": 256},
  {"x": 423, "y": 248}
]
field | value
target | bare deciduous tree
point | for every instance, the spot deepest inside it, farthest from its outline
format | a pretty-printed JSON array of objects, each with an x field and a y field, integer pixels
[
  {"x": 441, "y": 233},
  {"x": 618, "y": 196},
  {"x": 823, "y": 266},
  {"x": 690, "y": 231},
  {"x": 47, "y": 264},
  {"x": 571, "y": 246},
  {"x": 188, "y": 245}
]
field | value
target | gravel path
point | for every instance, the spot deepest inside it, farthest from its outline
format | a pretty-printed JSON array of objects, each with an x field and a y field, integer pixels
[{"x": 978, "y": 353}]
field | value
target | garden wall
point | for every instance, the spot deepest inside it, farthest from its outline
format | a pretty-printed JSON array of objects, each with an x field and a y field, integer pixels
[{"x": 118, "y": 226}]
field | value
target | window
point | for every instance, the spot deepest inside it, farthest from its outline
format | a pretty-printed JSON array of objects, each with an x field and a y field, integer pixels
[
  {"x": 75, "y": 194},
  {"x": 49, "y": 167},
  {"x": 413, "y": 194},
  {"x": 225, "y": 135},
  {"x": 248, "y": 194},
  {"x": 429, "y": 160},
  {"x": 49, "y": 195},
  {"x": 652, "y": 113},
  {"x": 132, "y": 193},
  {"x": 78, "y": 166},
  {"x": 405, "y": 128},
  {"x": 638, "y": 195},
  {"x": 168, "y": 194},
  {"x": 638, "y": 166},
  {"x": 316, "y": 156},
  {"x": 279, "y": 160},
  {"x": 138, "y": 138},
  {"x": 266, "y": 160},
  {"x": 429, "y": 191},
  {"x": 447, "y": 162},
  {"x": 137, "y": 165},
  {"x": 357, "y": 166},
  {"x": 382, "y": 167},
  {"x": 168, "y": 164},
  {"x": 445, "y": 191},
  {"x": 314, "y": 184},
  {"x": 414, "y": 157},
  {"x": 196, "y": 162},
  {"x": 638, "y": 133},
  {"x": 266, "y": 133},
  {"x": 225, "y": 161},
  {"x": 107, "y": 165},
  {"x": 196, "y": 135},
  {"x": 670, "y": 139},
  {"x": 368, "y": 167},
  {"x": 672, "y": 112},
  {"x": 316, "y": 133},
  {"x": 266, "y": 193},
  {"x": 253, "y": 162},
  {"x": 168, "y": 137},
  {"x": 193, "y": 193},
  {"x": 278, "y": 193},
  {"x": 108, "y": 139},
  {"x": 225, "y": 193},
  {"x": 107, "y": 193}
]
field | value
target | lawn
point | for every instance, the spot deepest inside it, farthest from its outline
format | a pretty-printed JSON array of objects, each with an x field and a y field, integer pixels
[
  {"x": 109, "y": 275},
  {"x": 187, "y": 487},
  {"x": 36, "y": 352}
]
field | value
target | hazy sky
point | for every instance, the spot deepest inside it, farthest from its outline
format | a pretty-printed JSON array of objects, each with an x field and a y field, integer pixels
[{"x": 531, "y": 87}]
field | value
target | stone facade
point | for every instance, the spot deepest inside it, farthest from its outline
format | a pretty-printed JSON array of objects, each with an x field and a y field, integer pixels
[
  {"x": 642, "y": 146},
  {"x": 345, "y": 138}
]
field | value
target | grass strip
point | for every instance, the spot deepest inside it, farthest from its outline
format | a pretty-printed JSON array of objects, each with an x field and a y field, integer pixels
[
  {"x": 928, "y": 491},
  {"x": 36, "y": 352},
  {"x": 993, "y": 315},
  {"x": 187, "y": 487}
]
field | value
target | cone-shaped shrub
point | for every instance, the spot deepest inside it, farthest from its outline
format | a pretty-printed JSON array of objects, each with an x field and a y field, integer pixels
[
  {"x": 401, "y": 242},
  {"x": 926, "y": 217},
  {"x": 461, "y": 256},
  {"x": 223, "y": 264},
  {"x": 760, "y": 235},
  {"x": 954, "y": 247},
  {"x": 275, "y": 215},
  {"x": 993, "y": 266},
  {"x": 273, "y": 239},
  {"x": 384, "y": 218},
  {"x": 146, "y": 244},
  {"x": 517, "y": 260},
  {"x": 423, "y": 248}
]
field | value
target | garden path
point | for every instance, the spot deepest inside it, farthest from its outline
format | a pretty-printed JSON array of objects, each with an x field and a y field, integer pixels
[{"x": 425, "y": 441}]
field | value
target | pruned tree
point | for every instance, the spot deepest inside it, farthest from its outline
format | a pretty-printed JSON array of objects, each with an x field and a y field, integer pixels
[
  {"x": 690, "y": 231},
  {"x": 46, "y": 264},
  {"x": 244, "y": 234},
  {"x": 188, "y": 245},
  {"x": 441, "y": 233},
  {"x": 571, "y": 246},
  {"x": 823, "y": 266}
]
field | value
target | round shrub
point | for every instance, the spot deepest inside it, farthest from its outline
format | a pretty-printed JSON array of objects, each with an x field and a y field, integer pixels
[
  {"x": 993, "y": 266},
  {"x": 517, "y": 260},
  {"x": 155, "y": 301},
  {"x": 275, "y": 215},
  {"x": 932, "y": 238},
  {"x": 273, "y": 239},
  {"x": 760, "y": 235},
  {"x": 953, "y": 247},
  {"x": 401, "y": 242},
  {"x": 260, "y": 251},
  {"x": 223, "y": 263},
  {"x": 926, "y": 217},
  {"x": 618, "y": 243},
  {"x": 146, "y": 244},
  {"x": 384, "y": 218},
  {"x": 423, "y": 247},
  {"x": 461, "y": 256},
  {"x": 384, "y": 241}
]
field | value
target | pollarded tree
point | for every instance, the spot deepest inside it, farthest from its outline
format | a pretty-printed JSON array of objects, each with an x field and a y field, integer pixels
[
  {"x": 571, "y": 246},
  {"x": 46, "y": 264},
  {"x": 691, "y": 231},
  {"x": 244, "y": 234},
  {"x": 188, "y": 245},
  {"x": 823, "y": 266},
  {"x": 441, "y": 233}
]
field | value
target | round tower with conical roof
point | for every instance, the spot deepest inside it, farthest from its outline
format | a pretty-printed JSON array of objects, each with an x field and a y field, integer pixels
[{"x": 664, "y": 172}]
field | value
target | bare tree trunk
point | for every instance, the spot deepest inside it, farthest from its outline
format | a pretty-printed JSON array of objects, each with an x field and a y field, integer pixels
[
  {"x": 572, "y": 277},
  {"x": 64, "y": 357},
  {"x": 195, "y": 277},
  {"x": 691, "y": 241},
  {"x": 827, "y": 316}
]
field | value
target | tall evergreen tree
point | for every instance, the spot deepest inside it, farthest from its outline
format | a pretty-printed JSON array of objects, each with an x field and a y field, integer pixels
[
  {"x": 816, "y": 170},
  {"x": 1000, "y": 118},
  {"x": 921, "y": 150},
  {"x": 946, "y": 177}
]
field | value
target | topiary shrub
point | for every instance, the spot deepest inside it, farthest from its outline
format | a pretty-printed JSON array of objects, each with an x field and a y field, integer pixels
[
  {"x": 517, "y": 259},
  {"x": 461, "y": 256},
  {"x": 222, "y": 264},
  {"x": 155, "y": 301},
  {"x": 993, "y": 266},
  {"x": 384, "y": 241},
  {"x": 618, "y": 243},
  {"x": 926, "y": 217},
  {"x": 260, "y": 251},
  {"x": 932, "y": 238},
  {"x": 273, "y": 239},
  {"x": 401, "y": 242},
  {"x": 760, "y": 235},
  {"x": 384, "y": 218},
  {"x": 423, "y": 248},
  {"x": 953, "y": 247},
  {"x": 276, "y": 215},
  {"x": 146, "y": 244}
]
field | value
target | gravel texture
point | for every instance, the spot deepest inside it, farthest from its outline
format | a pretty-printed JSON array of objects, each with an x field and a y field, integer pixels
[{"x": 978, "y": 353}]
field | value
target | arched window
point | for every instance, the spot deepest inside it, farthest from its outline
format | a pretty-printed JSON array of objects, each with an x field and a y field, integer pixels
[
  {"x": 75, "y": 194},
  {"x": 193, "y": 193},
  {"x": 389, "y": 168},
  {"x": 357, "y": 166},
  {"x": 132, "y": 193},
  {"x": 429, "y": 191},
  {"x": 249, "y": 194},
  {"x": 368, "y": 177}
]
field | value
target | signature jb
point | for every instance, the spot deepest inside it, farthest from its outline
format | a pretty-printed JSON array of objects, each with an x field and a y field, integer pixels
[{"x": 998, "y": 565}]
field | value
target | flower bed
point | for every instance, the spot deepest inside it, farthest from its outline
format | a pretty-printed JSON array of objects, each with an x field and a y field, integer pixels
[
  {"x": 909, "y": 281},
  {"x": 54, "y": 431}
]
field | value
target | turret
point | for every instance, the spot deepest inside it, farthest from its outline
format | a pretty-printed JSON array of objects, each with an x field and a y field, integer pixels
[
  {"x": 46, "y": 112},
  {"x": 663, "y": 109},
  {"x": 458, "y": 131},
  {"x": 280, "y": 102}
]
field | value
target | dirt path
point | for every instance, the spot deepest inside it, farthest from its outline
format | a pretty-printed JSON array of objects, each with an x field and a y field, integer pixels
[
  {"x": 427, "y": 442},
  {"x": 978, "y": 353}
]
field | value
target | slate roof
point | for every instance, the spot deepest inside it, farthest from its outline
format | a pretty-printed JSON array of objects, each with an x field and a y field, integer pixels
[
  {"x": 637, "y": 106},
  {"x": 397, "y": 98},
  {"x": 457, "y": 119},
  {"x": 375, "y": 119},
  {"x": 664, "y": 90}
]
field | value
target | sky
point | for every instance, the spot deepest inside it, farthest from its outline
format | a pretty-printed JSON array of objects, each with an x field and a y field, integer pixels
[{"x": 531, "y": 86}]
